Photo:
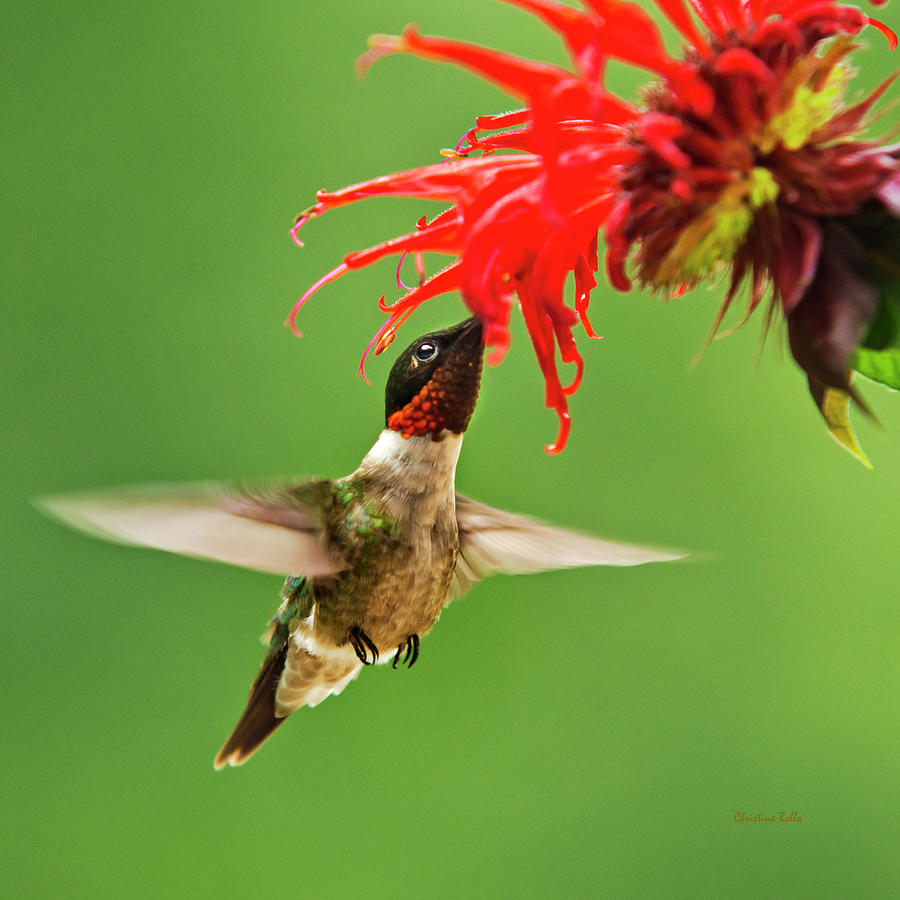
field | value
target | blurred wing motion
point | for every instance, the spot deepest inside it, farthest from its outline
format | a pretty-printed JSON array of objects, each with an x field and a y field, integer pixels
[
  {"x": 273, "y": 532},
  {"x": 492, "y": 540}
]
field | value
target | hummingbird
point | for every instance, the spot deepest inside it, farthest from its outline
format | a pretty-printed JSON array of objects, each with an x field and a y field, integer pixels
[{"x": 372, "y": 558}]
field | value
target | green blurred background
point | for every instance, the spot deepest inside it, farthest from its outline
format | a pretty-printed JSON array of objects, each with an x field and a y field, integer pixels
[{"x": 571, "y": 734}]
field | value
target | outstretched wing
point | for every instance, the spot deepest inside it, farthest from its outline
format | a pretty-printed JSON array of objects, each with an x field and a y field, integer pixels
[
  {"x": 492, "y": 540},
  {"x": 271, "y": 532}
]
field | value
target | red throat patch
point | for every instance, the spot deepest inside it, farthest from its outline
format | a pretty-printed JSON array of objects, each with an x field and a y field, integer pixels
[{"x": 446, "y": 401}]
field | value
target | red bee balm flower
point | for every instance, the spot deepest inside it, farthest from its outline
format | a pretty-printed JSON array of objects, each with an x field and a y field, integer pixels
[{"x": 741, "y": 158}]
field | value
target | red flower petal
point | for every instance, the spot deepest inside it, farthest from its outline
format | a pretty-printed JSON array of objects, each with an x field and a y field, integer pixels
[{"x": 715, "y": 171}]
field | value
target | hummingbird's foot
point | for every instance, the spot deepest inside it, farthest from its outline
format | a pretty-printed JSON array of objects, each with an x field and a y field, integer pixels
[
  {"x": 363, "y": 646},
  {"x": 411, "y": 645}
]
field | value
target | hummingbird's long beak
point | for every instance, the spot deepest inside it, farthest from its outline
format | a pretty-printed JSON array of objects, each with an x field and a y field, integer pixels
[
  {"x": 470, "y": 330},
  {"x": 469, "y": 339}
]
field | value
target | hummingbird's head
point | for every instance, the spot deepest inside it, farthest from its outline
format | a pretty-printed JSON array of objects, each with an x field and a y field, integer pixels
[{"x": 433, "y": 385}]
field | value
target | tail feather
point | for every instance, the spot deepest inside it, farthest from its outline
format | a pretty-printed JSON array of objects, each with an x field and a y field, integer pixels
[
  {"x": 290, "y": 678},
  {"x": 258, "y": 720}
]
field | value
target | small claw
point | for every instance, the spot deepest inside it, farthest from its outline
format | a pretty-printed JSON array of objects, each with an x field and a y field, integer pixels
[
  {"x": 412, "y": 641},
  {"x": 411, "y": 646},
  {"x": 362, "y": 645}
]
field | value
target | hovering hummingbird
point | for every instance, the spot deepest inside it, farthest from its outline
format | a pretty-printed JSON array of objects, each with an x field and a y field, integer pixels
[{"x": 375, "y": 556}]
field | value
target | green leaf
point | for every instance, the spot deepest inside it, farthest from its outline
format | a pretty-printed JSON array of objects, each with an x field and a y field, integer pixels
[
  {"x": 878, "y": 355},
  {"x": 882, "y": 366},
  {"x": 835, "y": 408}
]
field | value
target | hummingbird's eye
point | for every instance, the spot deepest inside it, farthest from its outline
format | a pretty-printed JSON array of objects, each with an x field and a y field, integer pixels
[{"x": 426, "y": 351}]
